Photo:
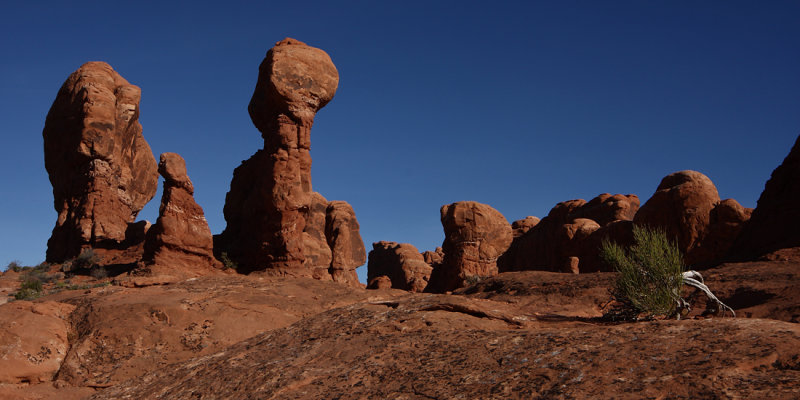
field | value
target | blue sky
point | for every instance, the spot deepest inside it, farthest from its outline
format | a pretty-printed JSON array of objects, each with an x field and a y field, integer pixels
[{"x": 519, "y": 105}]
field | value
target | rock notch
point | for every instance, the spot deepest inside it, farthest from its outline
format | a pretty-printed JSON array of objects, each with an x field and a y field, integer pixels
[
  {"x": 101, "y": 168},
  {"x": 475, "y": 236},
  {"x": 180, "y": 242},
  {"x": 274, "y": 218}
]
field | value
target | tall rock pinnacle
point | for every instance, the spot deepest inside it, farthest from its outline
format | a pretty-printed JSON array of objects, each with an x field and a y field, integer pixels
[
  {"x": 101, "y": 168},
  {"x": 271, "y": 199}
]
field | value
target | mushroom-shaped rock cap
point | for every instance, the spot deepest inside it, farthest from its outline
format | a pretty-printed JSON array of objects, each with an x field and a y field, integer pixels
[
  {"x": 294, "y": 78},
  {"x": 173, "y": 168}
]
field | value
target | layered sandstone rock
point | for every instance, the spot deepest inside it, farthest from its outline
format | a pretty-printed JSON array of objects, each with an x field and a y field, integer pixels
[
  {"x": 776, "y": 215},
  {"x": 180, "y": 242},
  {"x": 402, "y": 263},
  {"x": 101, "y": 168},
  {"x": 276, "y": 223},
  {"x": 33, "y": 340},
  {"x": 475, "y": 236},
  {"x": 568, "y": 238}
]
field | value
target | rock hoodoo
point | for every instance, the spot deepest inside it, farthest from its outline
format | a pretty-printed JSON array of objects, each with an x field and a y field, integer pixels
[
  {"x": 776, "y": 215},
  {"x": 274, "y": 218},
  {"x": 180, "y": 241},
  {"x": 402, "y": 263},
  {"x": 101, "y": 168},
  {"x": 475, "y": 236}
]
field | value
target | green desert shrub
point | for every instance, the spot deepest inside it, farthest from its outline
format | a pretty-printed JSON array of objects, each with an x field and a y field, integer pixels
[
  {"x": 86, "y": 260},
  {"x": 650, "y": 273},
  {"x": 30, "y": 289},
  {"x": 14, "y": 266},
  {"x": 226, "y": 261},
  {"x": 98, "y": 272}
]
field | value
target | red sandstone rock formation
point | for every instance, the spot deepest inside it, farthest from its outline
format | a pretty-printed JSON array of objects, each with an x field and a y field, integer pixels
[
  {"x": 381, "y": 282},
  {"x": 276, "y": 223},
  {"x": 317, "y": 252},
  {"x": 433, "y": 257},
  {"x": 401, "y": 263},
  {"x": 775, "y": 218},
  {"x": 681, "y": 206},
  {"x": 33, "y": 340},
  {"x": 475, "y": 236},
  {"x": 180, "y": 242},
  {"x": 101, "y": 168},
  {"x": 521, "y": 226},
  {"x": 568, "y": 238},
  {"x": 726, "y": 221},
  {"x": 344, "y": 239}
]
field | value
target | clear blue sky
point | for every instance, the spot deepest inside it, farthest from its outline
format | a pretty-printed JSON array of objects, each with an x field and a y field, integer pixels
[{"x": 519, "y": 105}]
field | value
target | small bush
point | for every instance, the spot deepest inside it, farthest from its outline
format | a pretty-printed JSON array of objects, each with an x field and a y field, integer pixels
[
  {"x": 227, "y": 263},
  {"x": 86, "y": 260},
  {"x": 14, "y": 266},
  {"x": 32, "y": 284},
  {"x": 30, "y": 289},
  {"x": 650, "y": 274},
  {"x": 472, "y": 280},
  {"x": 98, "y": 272}
]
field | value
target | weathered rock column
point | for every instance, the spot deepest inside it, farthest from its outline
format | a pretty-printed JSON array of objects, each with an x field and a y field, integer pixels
[
  {"x": 271, "y": 200},
  {"x": 101, "y": 168},
  {"x": 180, "y": 242}
]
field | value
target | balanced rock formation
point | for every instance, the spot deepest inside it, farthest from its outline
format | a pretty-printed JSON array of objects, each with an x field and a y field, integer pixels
[
  {"x": 776, "y": 215},
  {"x": 180, "y": 242},
  {"x": 475, "y": 236},
  {"x": 101, "y": 168},
  {"x": 402, "y": 263},
  {"x": 274, "y": 218},
  {"x": 568, "y": 238}
]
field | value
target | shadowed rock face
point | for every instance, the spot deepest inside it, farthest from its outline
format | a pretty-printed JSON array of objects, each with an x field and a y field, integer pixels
[
  {"x": 276, "y": 223},
  {"x": 101, "y": 168},
  {"x": 681, "y": 206},
  {"x": 568, "y": 239},
  {"x": 180, "y": 243},
  {"x": 475, "y": 236},
  {"x": 688, "y": 208},
  {"x": 401, "y": 263},
  {"x": 775, "y": 219}
]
